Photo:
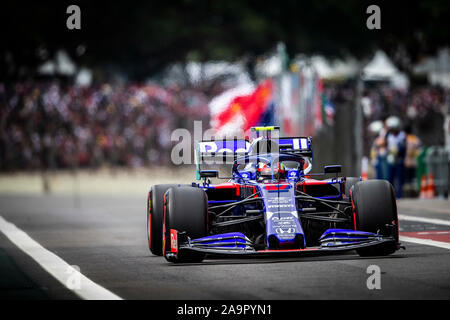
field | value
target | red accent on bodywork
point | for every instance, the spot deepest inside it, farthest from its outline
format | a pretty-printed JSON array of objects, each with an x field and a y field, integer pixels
[
  {"x": 173, "y": 241},
  {"x": 312, "y": 182},
  {"x": 353, "y": 209},
  {"x": 164, "y": 227},
  {"x": 229, "y": 185},
  {"x": 226, "y": 185},
  {"x": 276, "y": 186}
]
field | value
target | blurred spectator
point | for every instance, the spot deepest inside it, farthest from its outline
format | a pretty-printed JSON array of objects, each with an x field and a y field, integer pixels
[
  {"x": 396, "y": 152},
  {"x": 412, "y": 152},
  {"x": 423, "y": 108},
  {"x": 379, "y": 153}
]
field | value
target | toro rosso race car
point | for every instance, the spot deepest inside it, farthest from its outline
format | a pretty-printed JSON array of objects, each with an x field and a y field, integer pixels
[{"x": 271, "y": 204}]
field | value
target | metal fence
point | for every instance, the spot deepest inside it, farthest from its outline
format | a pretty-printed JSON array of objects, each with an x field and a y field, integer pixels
[{"x": 437, "y": 168}]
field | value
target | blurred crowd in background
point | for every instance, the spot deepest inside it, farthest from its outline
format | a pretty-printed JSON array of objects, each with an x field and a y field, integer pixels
[
  {"x": 48, "y": 124},
  {"x": 51, "y": 125}
]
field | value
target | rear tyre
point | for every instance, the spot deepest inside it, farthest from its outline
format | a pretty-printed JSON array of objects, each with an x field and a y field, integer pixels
[
  {"x": 186, "y": 210},
  {"x": 374, "y": 210},
  {"x": 155, "y": 214},
  {"x": 349, "y": 183}
]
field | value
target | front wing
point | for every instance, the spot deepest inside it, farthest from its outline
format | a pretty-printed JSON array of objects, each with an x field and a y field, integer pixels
[{"x": 237, "y": 246}]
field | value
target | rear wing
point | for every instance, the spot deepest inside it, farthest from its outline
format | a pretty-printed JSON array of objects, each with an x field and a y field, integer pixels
[
  {"x": 300, "y": 145},
  {"x": 236, "y": 148},
  {"x": 219, "y": 152},
  {"x": 227, "y": 151}
]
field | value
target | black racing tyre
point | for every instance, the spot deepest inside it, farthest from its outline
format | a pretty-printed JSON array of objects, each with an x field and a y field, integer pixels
[
  {"x": 155, "y": 214},
  {"x": 186, "y": 210},
  {"x": 349, "y": 183},
  {"x": 374, "y": 209}
]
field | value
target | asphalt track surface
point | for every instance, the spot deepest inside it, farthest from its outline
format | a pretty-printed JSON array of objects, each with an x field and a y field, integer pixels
[{"x": 106, "y": 237}]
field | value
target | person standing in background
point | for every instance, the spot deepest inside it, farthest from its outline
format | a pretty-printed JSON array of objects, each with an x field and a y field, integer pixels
[
  {"x": 412, "y": 152},
  {"x": 379, "y": 153},
  {"x": 396, "y": 152}
]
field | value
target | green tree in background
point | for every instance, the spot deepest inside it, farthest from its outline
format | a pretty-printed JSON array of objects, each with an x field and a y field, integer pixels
[{"x": 138, "y": 38}]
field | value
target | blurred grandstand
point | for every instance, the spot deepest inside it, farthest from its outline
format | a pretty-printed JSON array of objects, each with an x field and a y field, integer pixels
[
  {"x": 52, "y": 125},
  {"x": 55, "y": 125}
]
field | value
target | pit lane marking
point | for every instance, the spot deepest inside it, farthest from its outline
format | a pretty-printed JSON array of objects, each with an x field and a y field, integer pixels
[
  {"x": 429, "y": 238},
  {"x": 54, "y": 265},
  {"x": 442, "y": 236},
  {"x": 434, "y": 232},
  {"x": 427, "y": 242},
  {"x": 424, "y": 220}
]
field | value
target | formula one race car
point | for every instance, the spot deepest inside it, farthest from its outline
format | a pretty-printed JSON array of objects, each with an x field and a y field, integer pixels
[{"x": 270, "y": 205}]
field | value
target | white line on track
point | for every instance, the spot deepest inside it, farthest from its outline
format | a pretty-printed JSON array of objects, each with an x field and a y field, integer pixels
[
  {"x": 433, "y": 232},
  {"x": 427, "y": 242},
  {"x": 425, "y": 220},
  {"x": 54, "y": 265}
]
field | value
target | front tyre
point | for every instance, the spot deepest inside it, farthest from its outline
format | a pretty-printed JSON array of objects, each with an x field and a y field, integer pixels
[
  {"x": 186, "y": 210},
  {"x": 375, "y": 210},
  {"x": 155, "y": 212}
]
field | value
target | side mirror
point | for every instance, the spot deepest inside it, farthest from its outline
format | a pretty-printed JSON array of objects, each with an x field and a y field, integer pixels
[
  {"x": 209, "y": 174},
  {"x": 332, "y": 169}
]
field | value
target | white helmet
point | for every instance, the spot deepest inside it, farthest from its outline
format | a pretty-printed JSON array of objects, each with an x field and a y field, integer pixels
[
  {"x": 376, "y": 127},
  {"x": 393, "y": 122}
]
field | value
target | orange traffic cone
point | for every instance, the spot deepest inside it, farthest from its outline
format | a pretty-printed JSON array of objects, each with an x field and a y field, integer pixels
[
  {"x": 431, "y": 192},
  {"x": 423, "y": 187},
  {"x": 364, "y": 176},
  {"x": 364, "y": 168}
]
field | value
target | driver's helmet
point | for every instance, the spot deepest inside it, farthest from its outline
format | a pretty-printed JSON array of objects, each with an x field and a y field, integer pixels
[{"x": 265, "y": 171}]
